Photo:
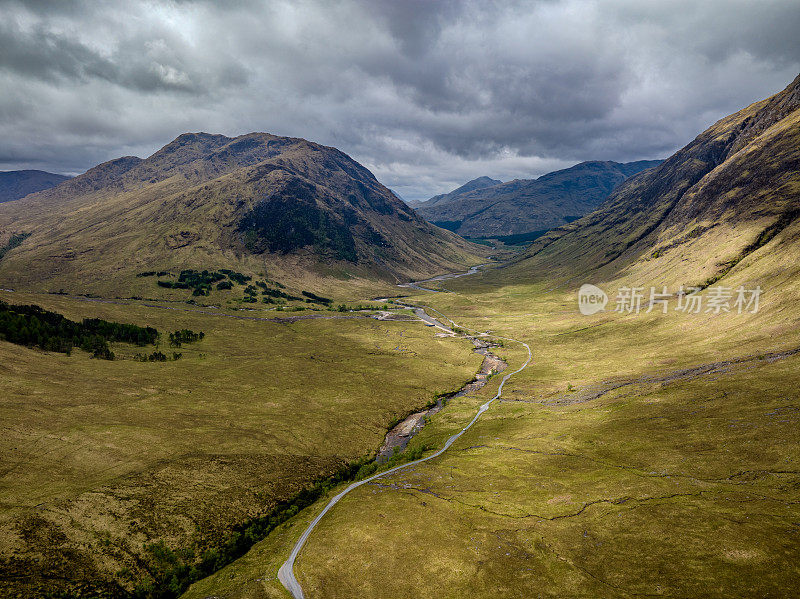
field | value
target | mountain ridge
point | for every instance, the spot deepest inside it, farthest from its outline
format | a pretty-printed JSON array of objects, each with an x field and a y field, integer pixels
[
  {"x": 531, "y": 205},
  {"x": 477, "y": 183},
  {"x": 733, "y": 188},
  {"x": 217, "y": 201}
]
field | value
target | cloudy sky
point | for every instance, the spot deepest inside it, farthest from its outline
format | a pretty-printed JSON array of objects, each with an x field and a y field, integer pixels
[{"x": 427, "y": 94}]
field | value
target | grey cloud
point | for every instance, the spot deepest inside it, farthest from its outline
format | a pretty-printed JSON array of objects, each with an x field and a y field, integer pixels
[{"x": 427, "y": 94}]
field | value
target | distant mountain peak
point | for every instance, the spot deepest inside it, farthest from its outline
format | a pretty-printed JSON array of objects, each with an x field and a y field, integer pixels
[
  {"x": 236, "y": 201},
  {"x": 17, "y": 184},
  {"x": 479, "y": 183}
]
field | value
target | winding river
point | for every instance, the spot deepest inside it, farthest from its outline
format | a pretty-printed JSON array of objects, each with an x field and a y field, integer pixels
[{"x": 286, "y": 572}]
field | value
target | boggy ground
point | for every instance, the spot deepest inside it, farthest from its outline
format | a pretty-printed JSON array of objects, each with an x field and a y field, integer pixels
[
  {"x": 641, "y": 454},
  {"x": 101, "y": 458}
]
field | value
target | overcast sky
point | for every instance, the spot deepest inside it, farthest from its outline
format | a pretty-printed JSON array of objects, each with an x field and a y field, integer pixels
[{"x": 426, "y": 94}]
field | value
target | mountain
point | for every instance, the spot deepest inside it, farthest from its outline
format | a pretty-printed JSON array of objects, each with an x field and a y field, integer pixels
[
  {"x": 524, "y": 206},
  {"x": 725, "y": 207},
  {"x": 17, "y": 184},
  {"x": 475, "y": 184},
  {"x": 257, "y": 202}
]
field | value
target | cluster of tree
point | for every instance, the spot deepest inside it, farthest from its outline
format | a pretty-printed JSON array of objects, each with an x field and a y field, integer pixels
[
  {"x": 236, "y": 277},
  {"x": 357, "y": 308},
  {"x": 274, "y": 293},
  {"x": 35, "y": 327},
  {"x": 156, "y": 356},
  {"x": 182, "y": 336},
  {"x": 201, "y": 281},
  {"x": 153, "y": 273}
]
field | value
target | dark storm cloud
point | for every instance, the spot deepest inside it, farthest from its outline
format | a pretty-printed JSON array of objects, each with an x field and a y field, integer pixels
[{"x": 427, "y": 94}]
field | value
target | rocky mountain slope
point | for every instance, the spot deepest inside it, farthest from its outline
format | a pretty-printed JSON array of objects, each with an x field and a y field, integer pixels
[
  {"x": 17, "y": 184},
  {"x": 529, "y": 205},
  {"x": 726, "y": 202},
  {"x": 257, "y": 203}
]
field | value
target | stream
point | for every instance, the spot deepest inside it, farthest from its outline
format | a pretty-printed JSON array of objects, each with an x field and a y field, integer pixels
[
  {"x": 399, "y": 436},
  {"x": 286, "y": 572}
]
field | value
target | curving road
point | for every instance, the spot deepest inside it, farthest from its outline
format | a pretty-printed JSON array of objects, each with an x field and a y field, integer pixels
[{"x": 286, "y": 572}]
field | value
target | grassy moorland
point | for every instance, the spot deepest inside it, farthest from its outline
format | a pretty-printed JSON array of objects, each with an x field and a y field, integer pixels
[
  {"x": 113, "y": 470},
  {"x": 639, "y": 454}
]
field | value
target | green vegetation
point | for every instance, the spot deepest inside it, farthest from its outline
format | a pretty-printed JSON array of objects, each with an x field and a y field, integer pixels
[
  {"x": 292, "y": 220},
  {"x": 186, "y": 458},
  {"x": 520, "y": 238},
  {"x": 173, "y": 571},
  {"x": 313, "y": 297},
  {"x": 156, "y": 356},
  {"x": 14, "y": 241},
  {"x": 36, "y": 327},
  {"x": 200, "y": 282},
  {"x": 273, "y": 293},
  {"x": 177, "y": 338}
]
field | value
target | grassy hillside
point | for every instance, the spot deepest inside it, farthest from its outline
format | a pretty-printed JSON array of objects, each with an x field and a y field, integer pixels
[
  {"x": 638, "y": 454},
  {"x": 264, "y": 205}
]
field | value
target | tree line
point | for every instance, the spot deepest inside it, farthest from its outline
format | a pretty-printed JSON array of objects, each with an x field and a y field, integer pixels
[{"x": 34, "y": 326}]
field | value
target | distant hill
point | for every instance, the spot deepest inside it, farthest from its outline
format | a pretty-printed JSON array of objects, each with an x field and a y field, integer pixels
[
  {"x": 256, "y": 202},
  {"x": 475, "y": 184},
  {"x": 523, "y": 206},
  {"x": 724, "y": 208},
  {"x": 17, "y": 184}
]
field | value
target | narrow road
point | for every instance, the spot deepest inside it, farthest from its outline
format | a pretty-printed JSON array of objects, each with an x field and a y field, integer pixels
[
  {"x": 286, "y": 572},
  {"x": 455, "y": 275}
]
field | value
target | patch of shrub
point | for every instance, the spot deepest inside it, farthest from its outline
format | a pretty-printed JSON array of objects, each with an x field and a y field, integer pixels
[
  {"x": 182, "y": 336},
  {"x": 14, "y": 241}
]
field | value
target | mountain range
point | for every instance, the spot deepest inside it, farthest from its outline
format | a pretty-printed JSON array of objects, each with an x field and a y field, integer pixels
[
  {"x": 17, "y": 184},
  {"x": 475, "y": 184},
  {"x": 257, "y": 202},
  {"x": 524, "y": 208}
]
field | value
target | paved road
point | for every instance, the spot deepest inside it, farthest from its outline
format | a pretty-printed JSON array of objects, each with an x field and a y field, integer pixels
[
  {"x": 454, "y": 275},
  {"x": 286, "y": 571}
]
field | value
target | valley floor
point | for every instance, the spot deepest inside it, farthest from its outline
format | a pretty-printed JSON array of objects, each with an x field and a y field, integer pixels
[
  {"x": 114, "y": 472},
  {"x": 640, "y": 454}
]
